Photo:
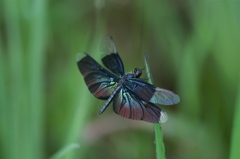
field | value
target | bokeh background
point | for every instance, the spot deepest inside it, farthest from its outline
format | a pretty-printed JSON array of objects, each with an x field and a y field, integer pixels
[{"x": 46, "y": 110}]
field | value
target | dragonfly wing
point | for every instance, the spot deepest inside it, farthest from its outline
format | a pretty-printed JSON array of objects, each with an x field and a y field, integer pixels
[
  {"x": 130, "y": 106},
  {"x": 100, "y": 82},
  {"x": 150, "y": 93},
  {"x": 110, "y": 57}
]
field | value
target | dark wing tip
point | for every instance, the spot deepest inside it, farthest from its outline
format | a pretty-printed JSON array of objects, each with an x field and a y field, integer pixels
[{"x": 80, "y": 56}]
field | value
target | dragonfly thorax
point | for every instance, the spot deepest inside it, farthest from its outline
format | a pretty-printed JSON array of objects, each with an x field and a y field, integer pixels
[
  {"x": 126, "y": 76},
  {"x": 137, "y": 73}
]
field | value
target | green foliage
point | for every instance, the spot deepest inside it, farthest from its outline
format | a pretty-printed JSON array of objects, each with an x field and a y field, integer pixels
[
  {"x": 64, "y": 151},
  {"x": 46, "y": 108}
]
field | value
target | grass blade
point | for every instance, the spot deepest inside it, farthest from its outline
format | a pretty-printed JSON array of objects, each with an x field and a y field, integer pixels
[
  {"x": 63, "y": 152},
  {"x": 14, "y": 61}
]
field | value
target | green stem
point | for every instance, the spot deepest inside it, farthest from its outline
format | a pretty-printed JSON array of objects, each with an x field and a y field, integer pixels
[
  {"x": 160, "y": 149},
  {"x": 235, "y": 143}
]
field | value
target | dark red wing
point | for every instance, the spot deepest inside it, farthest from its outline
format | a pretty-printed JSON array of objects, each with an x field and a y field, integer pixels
[
  {"x": 100, "y": 82},
  {"x": 130, "y": 106}
]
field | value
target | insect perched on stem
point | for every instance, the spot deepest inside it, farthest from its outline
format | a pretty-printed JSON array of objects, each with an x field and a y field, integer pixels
[{"x": 132, "y": 97}]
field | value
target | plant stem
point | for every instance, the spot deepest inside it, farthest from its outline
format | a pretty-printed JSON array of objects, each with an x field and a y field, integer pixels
[
  {"x": 235, "y": 143},
  {"x": 160, "y": 149}
]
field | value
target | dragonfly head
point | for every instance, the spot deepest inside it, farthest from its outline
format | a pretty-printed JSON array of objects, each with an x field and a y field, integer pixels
[{"x": 137, "y": 72}]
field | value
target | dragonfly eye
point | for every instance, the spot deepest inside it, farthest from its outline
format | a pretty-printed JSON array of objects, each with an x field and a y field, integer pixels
[{"x": 137, "y": 72}]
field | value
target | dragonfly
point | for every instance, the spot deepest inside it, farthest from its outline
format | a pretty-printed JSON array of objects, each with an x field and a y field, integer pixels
[{"x": 132, "y": 97}]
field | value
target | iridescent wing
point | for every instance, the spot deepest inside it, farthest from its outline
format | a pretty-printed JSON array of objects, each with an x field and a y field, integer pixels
[
  {"x": 150, "y": 93},
  {"x": 100, "y": 82},
  {"x": 130, "y": 106},
  {"x": 110, "y": 57}
]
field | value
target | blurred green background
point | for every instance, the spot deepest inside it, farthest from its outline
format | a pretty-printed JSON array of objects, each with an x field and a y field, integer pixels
[{"x": 46, "y": 110}]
